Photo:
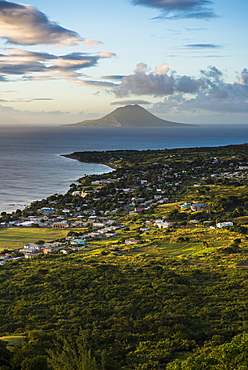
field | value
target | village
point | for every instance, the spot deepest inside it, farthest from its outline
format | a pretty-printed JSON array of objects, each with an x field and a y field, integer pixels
[{"x": 98, "y": 205}]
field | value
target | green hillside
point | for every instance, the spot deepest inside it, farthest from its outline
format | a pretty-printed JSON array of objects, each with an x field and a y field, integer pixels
[{"x": 175, "y": 297}]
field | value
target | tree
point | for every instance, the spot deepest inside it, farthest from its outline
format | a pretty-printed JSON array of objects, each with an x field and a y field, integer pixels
[
  {"x": 5, "y": 355},
  {"x": 228, "y": 356},
  {"x": 34, "y": 363},
  {"x": 72, "y": 354}
]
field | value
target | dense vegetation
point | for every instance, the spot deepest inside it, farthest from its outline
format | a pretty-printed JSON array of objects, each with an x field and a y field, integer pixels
[
  {"x": 138, "y": 311},
  {"x": 176, "y": 300}
]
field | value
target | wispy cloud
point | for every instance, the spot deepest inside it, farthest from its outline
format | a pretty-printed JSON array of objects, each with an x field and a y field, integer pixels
[
  {"x": 176, "y": 9},
  {"x": 203, "y": 46},
  {"x": 113, "y": 77},
  {"x": 127, "y": 102},
  {"x": 31, "y": 65},
  {"x": 25, "y": 25},
  {"x": 22, "y": 100},
  {"x": 10, "y": 115}
]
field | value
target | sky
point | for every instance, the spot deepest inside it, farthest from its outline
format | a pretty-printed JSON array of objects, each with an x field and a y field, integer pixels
[{"x": 65, "y": 62}]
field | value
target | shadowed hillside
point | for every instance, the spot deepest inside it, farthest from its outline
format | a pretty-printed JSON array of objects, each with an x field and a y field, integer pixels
[{"x": 129, "y": 116}]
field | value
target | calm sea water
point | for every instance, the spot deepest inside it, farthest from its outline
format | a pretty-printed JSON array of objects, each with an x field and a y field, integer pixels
[{"x": 31, "y": 165}]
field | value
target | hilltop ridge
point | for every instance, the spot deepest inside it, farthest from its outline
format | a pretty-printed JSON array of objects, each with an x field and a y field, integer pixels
[{"x": 129, "y": 116}]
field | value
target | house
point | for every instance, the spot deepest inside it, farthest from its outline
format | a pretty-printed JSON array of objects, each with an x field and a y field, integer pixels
[
  {"x": 25, "y": 223},
  {"x": 220, "y": 225},
  {"x": 185, "y": 205},
  {"x": 243, "y": 168},
  {"x": 47, "y": 210},
  {"x": 163, "y": 224},
  {"x": 144, "y": 229},
  {"x": 30, "y": 249},
  {"x": 60, "y": 225},
  {"x": 76, "y": 193},
  {"x": 32, "y": 246},
  {"x": 66, "y": 250},
  {"x": 50, "y": 250},
  {"x": 131, "y": 241},
  {"x": 197, "y": 207},
  {"x": 78, "y": 242}
]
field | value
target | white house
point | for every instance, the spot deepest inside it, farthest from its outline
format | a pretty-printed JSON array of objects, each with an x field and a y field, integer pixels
[
  {"x": 220, "y": 225},
  {"x": 163, "y": 224}
]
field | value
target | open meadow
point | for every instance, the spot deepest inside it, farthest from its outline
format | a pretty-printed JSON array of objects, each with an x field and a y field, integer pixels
[{"x": 16, "y": 237}]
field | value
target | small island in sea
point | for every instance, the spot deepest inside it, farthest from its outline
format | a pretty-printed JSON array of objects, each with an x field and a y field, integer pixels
[
  {"x": 129, "y": 116},
  {"x": 144, "y": 267}
]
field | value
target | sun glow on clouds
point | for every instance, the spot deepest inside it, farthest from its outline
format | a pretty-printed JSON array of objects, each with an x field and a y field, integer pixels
[
  {"x": 168, "y": 88},
  {"x": 24, "y": 25},
  {"x": 209, "y": 92},
  {"x": 24, "y": 63}
]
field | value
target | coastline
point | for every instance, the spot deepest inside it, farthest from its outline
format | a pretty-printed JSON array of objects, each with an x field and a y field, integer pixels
[
  {"x": 99, "y": 158},
  {"x": 70, "y": 156},
  {"x": 32, "y": 167}
]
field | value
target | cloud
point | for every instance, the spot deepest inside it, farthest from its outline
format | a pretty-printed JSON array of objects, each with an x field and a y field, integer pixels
[
  {"x": 208, "y": 92},
  {"x": 203, "y": 46},
  {"x": 157, "y": 83},
  {"x": 106, "y": 54},
  {"x": 243, "y": 77},
  {"x": 91, "y": 43},
  {"x": 35, "y": 65},
  {"x": 127, "y": 102},
  {"x": 113, "y": 77},
  {"x": 22, "y": 100},
  {"x": 22, "y": 24},
  {"x": 176, "y": 9},
  {"x": 10, "y": 115},
  {"x": 97, "y": 83}
]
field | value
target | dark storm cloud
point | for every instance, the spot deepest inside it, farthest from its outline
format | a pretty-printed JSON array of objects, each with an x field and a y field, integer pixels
[{"x": 180, "y": 8}]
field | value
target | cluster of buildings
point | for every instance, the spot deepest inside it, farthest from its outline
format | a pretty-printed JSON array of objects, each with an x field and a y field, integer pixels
[{"x": 131, "y": 191}]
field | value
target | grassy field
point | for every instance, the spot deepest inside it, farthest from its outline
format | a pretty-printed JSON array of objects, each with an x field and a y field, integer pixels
[
  {"x": 13, "y": 341},
  {"x": 17, "y": 237},
  {"x": 156, "y": 242},
  {"x": 183, "y": 241}
]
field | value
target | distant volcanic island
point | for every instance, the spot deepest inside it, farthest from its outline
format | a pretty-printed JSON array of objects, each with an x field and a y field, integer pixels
[{"x": 129, "y": 116}]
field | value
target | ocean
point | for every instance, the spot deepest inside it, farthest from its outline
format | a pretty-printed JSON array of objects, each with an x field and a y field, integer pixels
[{"x": 32, "y": 168}]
